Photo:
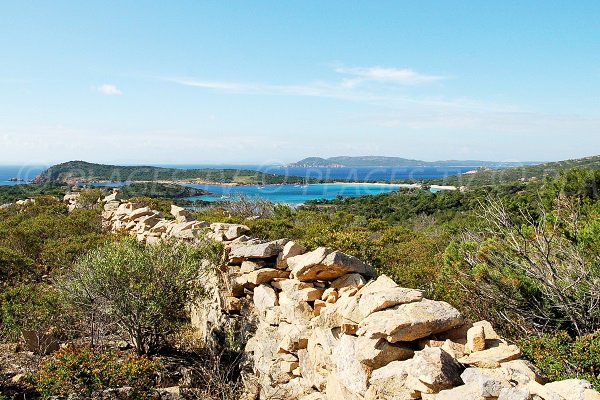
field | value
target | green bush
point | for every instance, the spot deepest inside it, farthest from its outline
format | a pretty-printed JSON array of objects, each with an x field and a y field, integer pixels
[
  {"x": 561, "y": 357},
  {"x": 143, "y": 288},
  {"x": 14, "y": 267},
  {"x": 31, "y": 307},
  {"x": 87, "y": 371}
]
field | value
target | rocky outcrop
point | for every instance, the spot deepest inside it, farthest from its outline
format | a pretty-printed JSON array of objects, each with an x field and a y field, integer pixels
[{"x": 317, "y": 326}]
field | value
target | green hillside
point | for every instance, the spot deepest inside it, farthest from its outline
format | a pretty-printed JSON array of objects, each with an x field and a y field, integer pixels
[
  {"x": 516, "y": 174},
  {"x": 81, "y": 171}
]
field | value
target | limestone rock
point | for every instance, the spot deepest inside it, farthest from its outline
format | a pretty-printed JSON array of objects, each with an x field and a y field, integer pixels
[
  {"x": 377, "y": 353},
  {"x": 475, "y": 339},
  {"x": 235, "y": 231},
  {"x": 490, "y": 333},
  {"x": 382, "y": 283},
  {"x": 491, "y": 358},
  {"x": 408, "y": 322},
  {"x": 325, "y": 264},
  {"x": 337, "y": 391},
  {"x": 522, "y": 372},
  {"x": 514, "y": 394},
  {"x": 376, "y": 301},
  {"x": 389, "y": 382},
  {"x": 291, "y": 249},
  {"x": 351, "y": 373},
  {"x": 249, "y": 266},
  {"x": 349, "y": 280},
  {"x": 462, "y": 392},
  {"x": 264, "y": 298},
  {"x": 265, "y": 275},
  {"x": 139, "y": 212},
  {"x": 241, "y": 252},
  {"x": 319, "y": 364},
  {"x": 488, "y": 381},
  {"x": 570, "y": 389},
  {"x": 180, "y": 214},
  {"x": 436, "y": 369},
  {"x": 540, "y": 391}
]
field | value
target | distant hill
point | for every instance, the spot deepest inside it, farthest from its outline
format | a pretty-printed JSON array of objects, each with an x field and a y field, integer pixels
[
  {"x": 81, "y": 172},
  {"x": 528, "y": 173},
  {"x": 379, "y": 161}
]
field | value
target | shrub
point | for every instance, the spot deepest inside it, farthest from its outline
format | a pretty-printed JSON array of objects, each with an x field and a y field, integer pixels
[
  {"x": 561, "y": 357},
  {"x": 143, "y": 289},
  {"x": 90, "y": 197},
  {"x": 14, "y": 267},
  {"x": 87, "y": 371},
  {"x": 31, "y": 307}
]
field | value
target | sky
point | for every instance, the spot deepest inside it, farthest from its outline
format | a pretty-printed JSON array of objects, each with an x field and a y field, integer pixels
[{"x": 264, "y": 82}]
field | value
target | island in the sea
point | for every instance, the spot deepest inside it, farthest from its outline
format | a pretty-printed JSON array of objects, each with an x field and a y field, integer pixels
[{"x": 396, "y": 162}]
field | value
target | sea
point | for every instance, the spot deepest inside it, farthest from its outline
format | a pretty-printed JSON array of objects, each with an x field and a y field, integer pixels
[{"x": 289, "y": 194}]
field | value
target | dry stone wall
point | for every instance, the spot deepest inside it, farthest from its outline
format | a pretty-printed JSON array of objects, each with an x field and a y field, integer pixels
[{"x": 321, "y": 326}]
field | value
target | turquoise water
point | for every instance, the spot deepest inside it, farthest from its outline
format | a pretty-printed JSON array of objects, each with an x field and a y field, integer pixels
[{"x": 291, "y": 194}]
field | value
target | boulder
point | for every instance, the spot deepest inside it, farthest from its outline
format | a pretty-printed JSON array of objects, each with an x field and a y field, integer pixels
[
  {"x": 139, "y": 212},
  {"x": 514, "y": 394},
  {"x": 408, "y": 322},
  {"x": 291, "y": 249},
  {"x": 491, "y": 358},
  {"x": 350, "y": 372},
  {"x": 389, "y": 382},
  {"x": 241, "y": 251},
  {"x": 235, "y": 231},
  {"x": 115, "y": 196},
  {"x": 462, "y": 392},
  {"x": 337, "y": 391},
  {"x": 377, "y": 353},
  {"x": 325, "y": 264},
  {"x": 319, "y": 364},
  {"x": 264, "y": 298},
  {"x": 436, "y": 369},
  {"x": 249, "y": 266},
  {"x": 488, "y": 381},
  {"x": 265, "y": 275},
  {"x": 570, "y": 389},
  {"x": 180, "y": 214},
  {"x": 522, "y": 371},
  {"x": 349, "y": 280},
  {"x": 475, "y": 339},
  {"x": 375, "y": 301}
]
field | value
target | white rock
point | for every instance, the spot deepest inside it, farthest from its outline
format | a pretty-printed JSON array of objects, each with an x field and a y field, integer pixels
[
  {"x": 353, "y": 280},
  {"x": 570, "y": 389},
  {"x": 376, "y": 301},
  {"x": 408, "y": 322},
  {"x": 325, "y": 264},
  {"x": 265, "y": 298},
  {"x": 491, "y": 358}
]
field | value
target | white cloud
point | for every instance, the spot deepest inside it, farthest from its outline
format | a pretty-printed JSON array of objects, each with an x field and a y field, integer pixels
[
  {"x": 401, "y": 76},
  {"x": 109, "y": 90}
]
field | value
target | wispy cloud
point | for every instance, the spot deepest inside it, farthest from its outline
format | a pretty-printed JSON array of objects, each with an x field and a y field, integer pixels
[
  {"x": 379, "y": 86},
  {"x": 314, "y": 89},
  {"x": 400, "y": 76},
  {"x": 109, "y": 90}
]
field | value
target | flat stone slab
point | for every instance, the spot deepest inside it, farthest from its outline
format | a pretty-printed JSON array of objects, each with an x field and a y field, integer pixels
[
  {"x": 326, "y": 265},
  {"x": 412, "y": 321}
]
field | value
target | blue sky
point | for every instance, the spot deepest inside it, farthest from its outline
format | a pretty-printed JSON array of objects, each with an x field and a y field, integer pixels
[{"x": 276, "y": 81}]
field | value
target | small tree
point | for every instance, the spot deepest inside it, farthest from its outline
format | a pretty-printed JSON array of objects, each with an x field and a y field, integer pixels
[
  {"x": 90, "y": 197},
  {"x": 144, "y": 289},
  {"x": 541, "y": 265}
]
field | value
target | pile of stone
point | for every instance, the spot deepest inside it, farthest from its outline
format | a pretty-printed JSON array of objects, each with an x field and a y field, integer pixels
[
  {"x": 325, "y": 329},
  {"x": 326, "y": 332}
]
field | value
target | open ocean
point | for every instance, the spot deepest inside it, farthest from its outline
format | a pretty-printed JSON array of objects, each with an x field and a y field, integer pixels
[{"x": 290, "y": 194}]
